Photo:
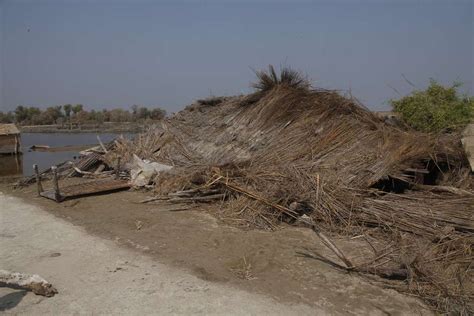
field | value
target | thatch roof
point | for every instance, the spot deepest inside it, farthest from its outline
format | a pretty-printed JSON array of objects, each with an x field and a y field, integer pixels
[
  {"x": 8, "y": 129},
  {"x": 283, "y": 152}
]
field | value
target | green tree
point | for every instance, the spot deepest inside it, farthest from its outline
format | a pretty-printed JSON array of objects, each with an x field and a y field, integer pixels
[
  {"x": 143, "y": 113},
  {"x": 82, "y": 117},
  {"x": 157, "y": 114},
  {"x": 54, "y": 113},
  {"x": 44, "y": 118},
  {"x": 135, "y": 109},
  {"x": 435, "y": 109},
  {"x": 33, "y": 116},
  {"x": 6, "y": 117},
  {"x": 67, "y": 110},
  {"x": 106, "y": 115},
  {"x": 21, "y": 114},
  {"x": 120, "y": 115},
  {"x": 77, "y": 108}
]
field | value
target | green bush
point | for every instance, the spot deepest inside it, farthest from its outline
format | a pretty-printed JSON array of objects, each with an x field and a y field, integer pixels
[{"x": 435, "y": 109}]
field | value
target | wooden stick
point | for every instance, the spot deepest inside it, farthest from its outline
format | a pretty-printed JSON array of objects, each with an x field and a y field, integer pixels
[
  {"x": 57, "y": 194},
  {"x": 102, "y": 144},
  {"x": 33, "y": 283},
  {"x": 17, "y": 145},
  {"x": 117, "y": 168},
  {"x": 39, "y": 186},
  {"x": 328, "y": 243}
]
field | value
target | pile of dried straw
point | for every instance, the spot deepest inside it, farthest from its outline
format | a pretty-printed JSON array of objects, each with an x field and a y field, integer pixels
[{"x": 288, "y": 150}]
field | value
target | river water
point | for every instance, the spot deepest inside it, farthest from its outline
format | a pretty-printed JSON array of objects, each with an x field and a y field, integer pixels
[{"x": 11, "y": 165}]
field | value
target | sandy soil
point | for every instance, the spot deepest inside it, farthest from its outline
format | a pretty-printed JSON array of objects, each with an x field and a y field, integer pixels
[
  {"x": 280, "y": 265},
  {"x": 96, "y": 277}
]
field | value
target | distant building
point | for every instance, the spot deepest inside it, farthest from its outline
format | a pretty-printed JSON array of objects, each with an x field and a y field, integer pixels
[{"x": 9, "y": 139}]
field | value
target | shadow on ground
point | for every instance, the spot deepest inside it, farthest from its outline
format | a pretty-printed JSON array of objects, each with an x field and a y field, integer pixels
[{"x": 11, "y": 300}]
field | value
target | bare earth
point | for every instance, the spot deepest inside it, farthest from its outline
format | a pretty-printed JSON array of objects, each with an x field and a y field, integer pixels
[{"x": 109, "y": 255}]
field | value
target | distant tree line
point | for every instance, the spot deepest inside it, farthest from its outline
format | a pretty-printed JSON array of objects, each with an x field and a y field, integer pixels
[{"x": 76, "y": 114}]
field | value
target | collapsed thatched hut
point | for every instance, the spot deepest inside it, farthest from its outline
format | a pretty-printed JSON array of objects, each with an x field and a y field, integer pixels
[{"x": 288, "y": 151}]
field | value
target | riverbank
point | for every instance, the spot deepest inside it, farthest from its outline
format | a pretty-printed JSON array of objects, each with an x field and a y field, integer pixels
[{"x": 108, "y": 127}]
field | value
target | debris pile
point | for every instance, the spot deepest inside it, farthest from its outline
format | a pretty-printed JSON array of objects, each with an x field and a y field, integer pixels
[
  {"x": 288, "y": 151},
  {"x": 291, "y": 153}
]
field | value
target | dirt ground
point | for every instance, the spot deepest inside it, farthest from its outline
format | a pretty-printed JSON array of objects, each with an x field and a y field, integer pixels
[
  {"x": 95, "y": 276},
  {"x": 283, "y": 264}
]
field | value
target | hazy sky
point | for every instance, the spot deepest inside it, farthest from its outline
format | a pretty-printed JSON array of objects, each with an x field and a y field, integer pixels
[{"x": 119, "y": 53}]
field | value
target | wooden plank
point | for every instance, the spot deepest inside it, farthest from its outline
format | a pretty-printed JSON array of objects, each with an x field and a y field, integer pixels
[{"x": 86, "y": 188}]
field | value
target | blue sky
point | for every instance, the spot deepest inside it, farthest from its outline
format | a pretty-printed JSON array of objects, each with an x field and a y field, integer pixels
[{"x": 156, "y": 53}]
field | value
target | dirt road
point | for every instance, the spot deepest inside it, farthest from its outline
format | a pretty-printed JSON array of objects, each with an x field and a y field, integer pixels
[{"x": 97, "y": 275}]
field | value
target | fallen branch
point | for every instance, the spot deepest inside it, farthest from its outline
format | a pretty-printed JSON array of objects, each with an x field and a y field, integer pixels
[
  {"x": 184, "y": 199},
  {"x": 155, "y": 198},
  {"x": 33, "y": 283}
]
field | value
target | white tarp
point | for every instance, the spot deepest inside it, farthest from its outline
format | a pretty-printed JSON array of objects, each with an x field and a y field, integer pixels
[{"x": 143, "y": 171}]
